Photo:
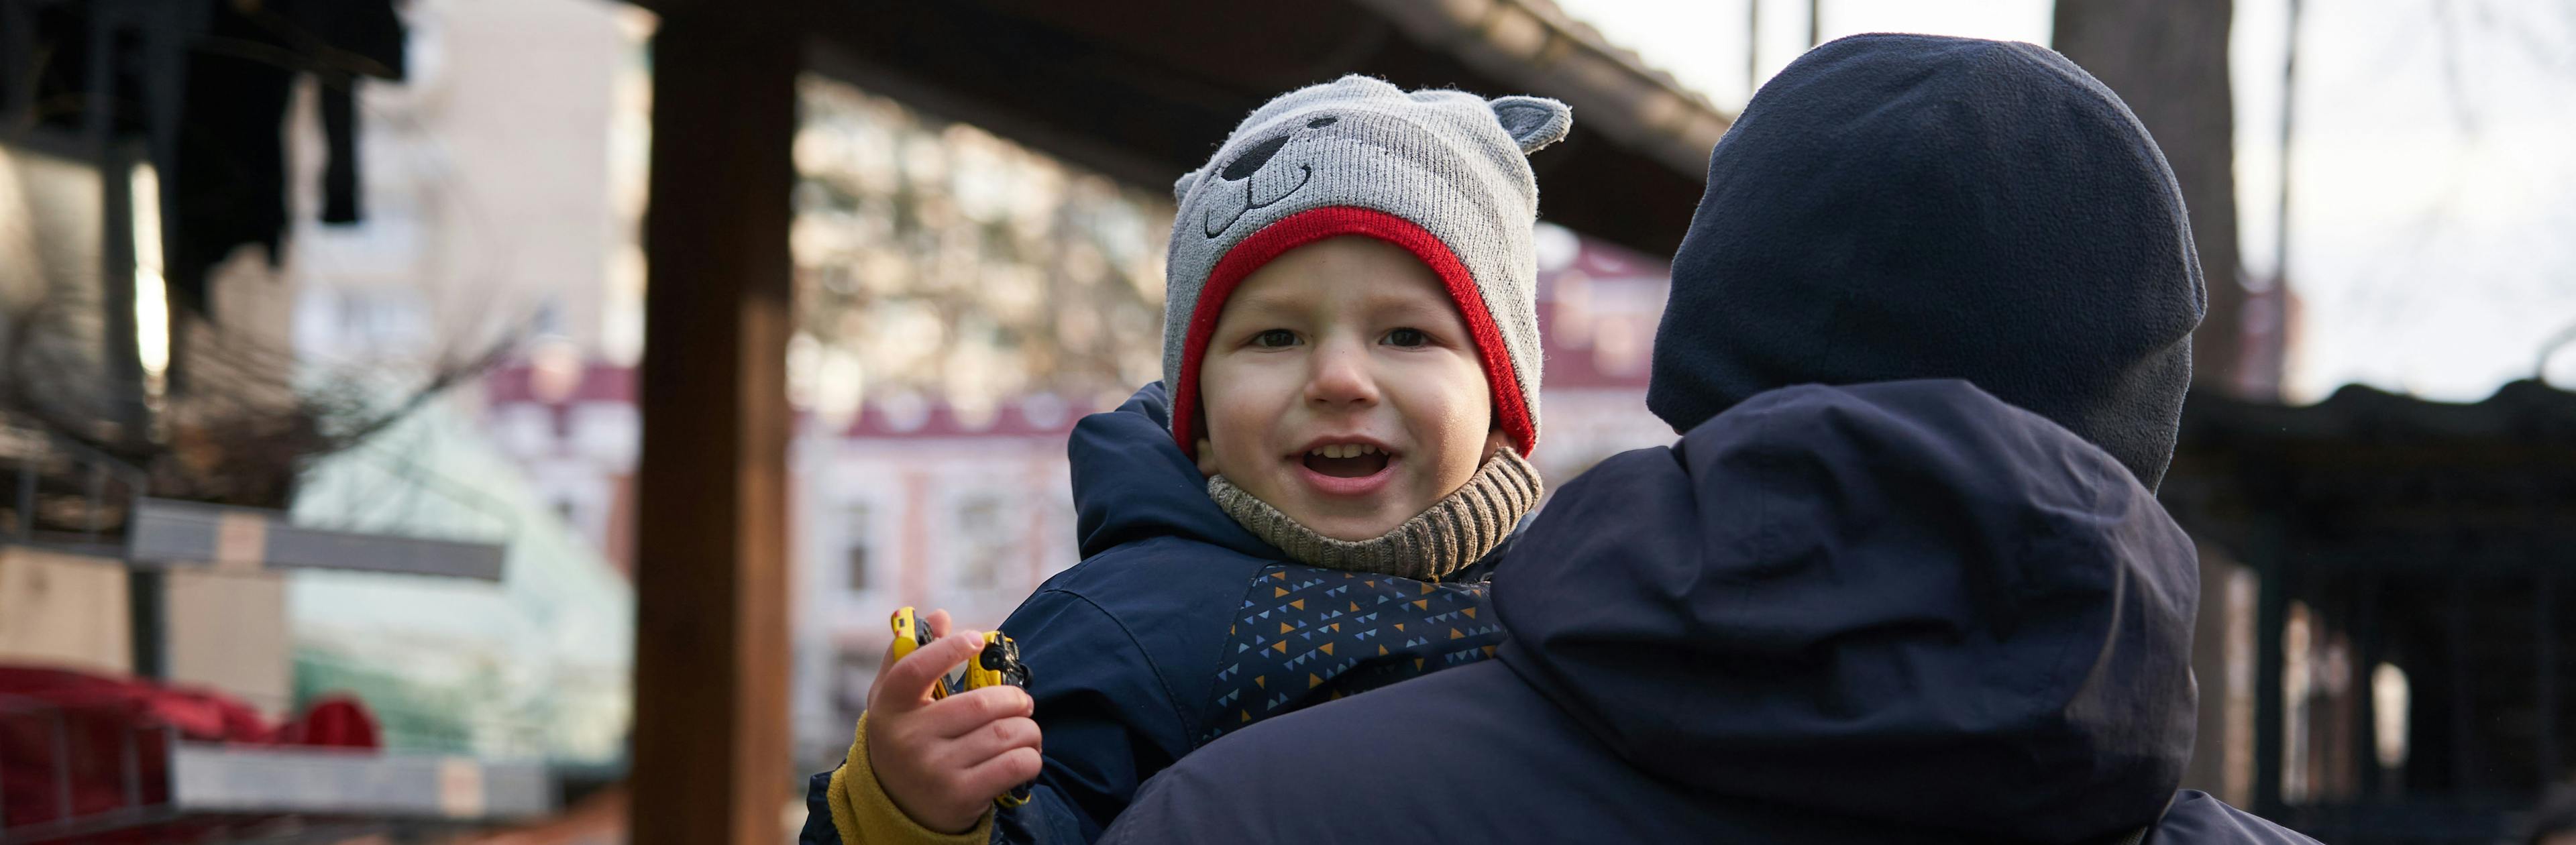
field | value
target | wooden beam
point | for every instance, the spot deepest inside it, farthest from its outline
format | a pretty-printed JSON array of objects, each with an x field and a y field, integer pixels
[
  {"x": 711, "y": 757},
  {"x": 1142, "y": 90}
]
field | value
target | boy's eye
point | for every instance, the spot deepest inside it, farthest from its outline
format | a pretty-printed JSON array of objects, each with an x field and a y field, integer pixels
[
  {"x": 1275, "y": 338},
  {"x": 1407, "y": 337}
]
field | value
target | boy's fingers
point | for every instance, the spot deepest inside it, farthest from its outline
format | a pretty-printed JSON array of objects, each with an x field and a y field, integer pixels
[
  {"x": 989, "y": 741},
  {"x": 1008, "y": 769},
  {"x": 937, "y": 623},
  {"x": 906, "y": 684},
  {"x": 966, "y": 712}
]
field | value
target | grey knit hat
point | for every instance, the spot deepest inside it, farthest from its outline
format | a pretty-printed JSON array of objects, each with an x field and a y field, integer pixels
[{"x": 1444, "y": 174}]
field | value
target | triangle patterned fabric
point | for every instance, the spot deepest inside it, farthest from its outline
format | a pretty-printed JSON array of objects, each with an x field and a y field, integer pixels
[{"x": 1306, "y": 635}]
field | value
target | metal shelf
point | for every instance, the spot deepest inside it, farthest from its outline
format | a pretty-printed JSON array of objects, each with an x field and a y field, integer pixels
[
  {"x": 167, "y": 532},
  {"x": 212, "y": 778}
]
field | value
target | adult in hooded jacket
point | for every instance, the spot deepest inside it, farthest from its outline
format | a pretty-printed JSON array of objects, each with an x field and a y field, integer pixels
[{"x": 1904, "y": 577}]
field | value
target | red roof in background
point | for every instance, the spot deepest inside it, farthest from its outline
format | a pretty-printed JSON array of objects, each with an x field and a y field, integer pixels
[
  {"x": 1597, "y": 316},
  {"x": 1024, "y": 416},
  {"x": 1603, "y": 258},
  {"x": 512, "y": 384}
]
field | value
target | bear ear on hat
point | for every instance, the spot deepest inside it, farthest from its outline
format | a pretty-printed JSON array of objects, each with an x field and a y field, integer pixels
[
  {"x": 1533, "y": 122},
  {"x": 1181, "y": 187}
]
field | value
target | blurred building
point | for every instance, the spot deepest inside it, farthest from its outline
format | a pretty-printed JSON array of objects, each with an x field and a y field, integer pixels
[
  {"x": 210, "y": 513},
  {"x": 503, "y": 188}
]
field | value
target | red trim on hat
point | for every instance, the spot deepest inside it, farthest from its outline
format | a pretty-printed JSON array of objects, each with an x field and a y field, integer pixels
[{"x": 1313, "y": 225}]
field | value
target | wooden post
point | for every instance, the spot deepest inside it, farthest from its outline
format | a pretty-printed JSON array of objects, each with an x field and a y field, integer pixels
[
  {"x": 2271, "y": 611},
  {"x": 2467, "y": 777},
  {"x": 2544, "y": 619},
  {"x": 711, "y": 757},
  {"x": 2370, "y": 648}
]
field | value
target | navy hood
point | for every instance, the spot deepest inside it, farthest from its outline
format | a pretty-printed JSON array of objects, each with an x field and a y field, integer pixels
[
  {"x": 1131, "y": 482},
  {"x": 1910, "y": 206},
  {"x": 1906, "y": 603}
]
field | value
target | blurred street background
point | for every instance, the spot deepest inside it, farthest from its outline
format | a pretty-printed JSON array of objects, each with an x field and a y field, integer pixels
[{"x": 512, "y": 421}]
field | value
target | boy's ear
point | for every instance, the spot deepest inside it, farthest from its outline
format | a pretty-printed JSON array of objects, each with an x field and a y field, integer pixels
[
  {"x": 1181, "y": 187},
  {"x": 1533, "y": 122}
]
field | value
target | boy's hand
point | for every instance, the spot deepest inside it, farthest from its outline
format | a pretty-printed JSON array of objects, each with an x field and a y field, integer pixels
[{"x": 944, "y": 761}]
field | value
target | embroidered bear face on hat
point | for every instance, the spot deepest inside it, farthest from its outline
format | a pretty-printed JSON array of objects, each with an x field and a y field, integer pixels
[{"x": 1443, "y": 174}]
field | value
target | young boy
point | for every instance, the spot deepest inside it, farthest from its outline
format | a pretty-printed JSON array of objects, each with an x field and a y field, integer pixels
[{"x": 1297, "y": 512}]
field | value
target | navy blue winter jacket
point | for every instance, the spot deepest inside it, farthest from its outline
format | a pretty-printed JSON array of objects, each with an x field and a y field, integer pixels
[
  {"x": 1180, "y": 626},
  {"x": 1893, "y": 612}
]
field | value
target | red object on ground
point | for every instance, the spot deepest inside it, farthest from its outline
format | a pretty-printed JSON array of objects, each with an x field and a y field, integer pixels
[
  {"x": 337, "y": 721},
  {"x": 75, "y": 744}
]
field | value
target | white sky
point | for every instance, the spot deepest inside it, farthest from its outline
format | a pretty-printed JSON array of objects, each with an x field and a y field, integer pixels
[{"x": 2433, "y": 212}]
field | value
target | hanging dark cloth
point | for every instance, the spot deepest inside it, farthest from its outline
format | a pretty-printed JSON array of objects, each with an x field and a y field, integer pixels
[
  {"x": 228, "y": 185},
  {"x": 340, "y": 171},
  {"x": 228, "y": 167},
  {"x": 355, "y": 41}
]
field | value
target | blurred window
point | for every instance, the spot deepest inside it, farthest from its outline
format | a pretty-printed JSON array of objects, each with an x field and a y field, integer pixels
[
  {"x": 51, "y": 222},
  {"x": 2388, "y": 697},
  {"x": 852, "y": 672},
  {"x": 984, "y": 541},
  {"x": 857, "y": 549}
]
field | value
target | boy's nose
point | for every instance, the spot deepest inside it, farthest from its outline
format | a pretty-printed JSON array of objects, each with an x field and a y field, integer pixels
[{"x": 1340, "y": 377}]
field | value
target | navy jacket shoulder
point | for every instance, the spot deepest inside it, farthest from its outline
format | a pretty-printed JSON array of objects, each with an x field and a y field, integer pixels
[
  {"x": 1153, "y": 613},
  {"x": 1119, "y": 650},
  {"x": 1886, "y": 612}
]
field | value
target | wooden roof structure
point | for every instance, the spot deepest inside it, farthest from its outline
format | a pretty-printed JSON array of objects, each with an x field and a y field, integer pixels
[
  {"x": 2436, "y": 537},
  {"x": 1143, "y": 90}
]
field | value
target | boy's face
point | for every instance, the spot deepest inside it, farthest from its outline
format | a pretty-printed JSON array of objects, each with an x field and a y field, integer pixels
[{"x": 1342, "y": 387}]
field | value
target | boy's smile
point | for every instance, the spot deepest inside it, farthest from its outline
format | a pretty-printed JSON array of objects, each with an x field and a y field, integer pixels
[
  {"x": 1342, "y": 387},
  {"x": 1347, "y": 466}
]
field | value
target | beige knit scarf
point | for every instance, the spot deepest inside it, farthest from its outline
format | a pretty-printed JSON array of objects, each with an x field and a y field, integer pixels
[{"x": 1453, "y": 533}]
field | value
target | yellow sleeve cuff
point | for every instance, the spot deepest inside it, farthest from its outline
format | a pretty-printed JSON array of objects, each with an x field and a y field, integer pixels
[{"x": 864, "y": 815}]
